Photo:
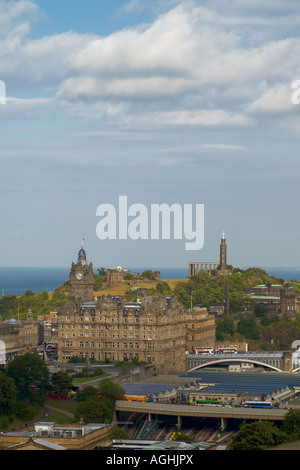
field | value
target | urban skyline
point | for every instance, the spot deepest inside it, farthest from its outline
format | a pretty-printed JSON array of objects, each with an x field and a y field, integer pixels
[{"x": 165, "y": 102}]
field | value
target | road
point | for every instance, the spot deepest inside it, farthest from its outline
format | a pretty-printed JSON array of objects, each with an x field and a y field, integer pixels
[
  {"x": 48, "y": 410},
  {"x": 200, "y": 411}
]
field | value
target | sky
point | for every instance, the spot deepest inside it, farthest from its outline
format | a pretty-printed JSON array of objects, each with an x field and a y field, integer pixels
[{"x": 183, "y": 102}]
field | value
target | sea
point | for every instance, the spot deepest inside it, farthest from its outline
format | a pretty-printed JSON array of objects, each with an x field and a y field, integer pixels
[{"x": 16, "y": 281}]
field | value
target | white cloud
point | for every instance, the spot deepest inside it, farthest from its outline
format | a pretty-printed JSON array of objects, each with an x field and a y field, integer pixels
[
  {"x": 199, "y": 117},
  {"x": 275, "y": 100},
  {"x": 190, "y": 66},
  {"x": 224, "y": 147},
  {"x": 134, "y": 6},
  {"x": 16, "y": 17}
]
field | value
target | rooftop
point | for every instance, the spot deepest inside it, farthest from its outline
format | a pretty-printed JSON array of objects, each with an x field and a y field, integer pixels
[{"x": 50, "y": 429}]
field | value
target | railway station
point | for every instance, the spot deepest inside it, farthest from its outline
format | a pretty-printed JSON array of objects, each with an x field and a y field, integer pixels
[{"x": 204, "y": 406}]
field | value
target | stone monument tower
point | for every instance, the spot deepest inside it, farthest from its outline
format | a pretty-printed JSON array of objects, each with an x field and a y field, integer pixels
[
  {"x": 223, "y": 253},
  {"x": 222, "y": 269}
]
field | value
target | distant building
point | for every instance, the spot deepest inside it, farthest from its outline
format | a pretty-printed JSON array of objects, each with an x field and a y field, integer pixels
[
  {"x": 115, "y": 275},
  {"x": 277, "y": 298},
  {"x": 289, "y": 302},
  {"x": 217, "y": 308},
  {"x": 51, "y": 436},
  {"x": 200, "y": 329},
  {"x": 18, "y": 336},
  {"x": 48, "y": 327}
]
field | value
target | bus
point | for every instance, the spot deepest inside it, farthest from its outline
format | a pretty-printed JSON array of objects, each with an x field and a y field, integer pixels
[
  {"x": 226, "y": 351},
  {"x": 208, "y": 403},
  {"x": 140, "y": 398},
  {"x": 204, "y": 350},
  {"x": 257, "y": 404}
]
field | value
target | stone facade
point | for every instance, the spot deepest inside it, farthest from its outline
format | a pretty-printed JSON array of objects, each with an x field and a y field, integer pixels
[
  {"x": 110, "y": 328},
  {"x": 288, "y": 302},
  {"x": 200, "y": 329},
  {"x": 115, "y": 275},
  {"x": 278, "y": 299},
  {"x": 81, "y": 279},
  {"x": 18, "y": 337},
  {"x": 51, "y": 436},
  {"x": 156, "y": 330}
]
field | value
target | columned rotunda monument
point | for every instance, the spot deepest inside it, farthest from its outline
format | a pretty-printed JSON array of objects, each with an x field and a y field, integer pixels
[{"x": 219, "y": 268}]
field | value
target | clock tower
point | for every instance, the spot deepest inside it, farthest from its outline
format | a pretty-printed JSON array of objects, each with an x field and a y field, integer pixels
[{"x": 82, "y": 278}]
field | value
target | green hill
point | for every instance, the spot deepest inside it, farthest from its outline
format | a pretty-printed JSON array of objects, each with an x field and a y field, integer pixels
[
  {"x": 40, "y": 304},
  {"x": 209, "y": 289},
  {"x": 248, "y": 320}
]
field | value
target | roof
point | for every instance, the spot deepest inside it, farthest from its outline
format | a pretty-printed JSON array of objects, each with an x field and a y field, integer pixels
[
  {"x": 238, "y": 387},
  {"x": 89, "y": 304},
  {"x": 264, "y": 286},
  {"x": 269, "y": 297},
  {"x": 49, "y": 445},
  {"x": 139, "y": 389},
  {"x": 178, "y": 445}
]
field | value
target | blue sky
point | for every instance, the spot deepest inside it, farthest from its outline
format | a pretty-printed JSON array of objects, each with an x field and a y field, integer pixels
[
  {"x": 92, "y": 16},
  {"x": 167, "y": 101}
]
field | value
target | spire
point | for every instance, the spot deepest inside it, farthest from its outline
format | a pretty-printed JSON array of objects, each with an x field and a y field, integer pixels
[{"x": 82, "y": 255}]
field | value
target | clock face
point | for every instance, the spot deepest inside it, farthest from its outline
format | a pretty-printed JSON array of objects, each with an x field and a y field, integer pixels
[{"x": 79, "y": 276}]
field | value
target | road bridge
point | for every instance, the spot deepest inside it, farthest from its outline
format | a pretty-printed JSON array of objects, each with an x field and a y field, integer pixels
[
  {"x": 181, "y": 410},
  {"x": 280, "y": 361}
]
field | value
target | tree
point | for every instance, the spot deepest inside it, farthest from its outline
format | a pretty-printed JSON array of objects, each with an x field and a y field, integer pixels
[
  {"x": 260, "y": 309},
  {"x": 27, "y": 371},
  {"x": 8, "y": 394},
  {"x": 119, "y": 434},
  {"x": 109, "y": 392},
  {"x": 61, "y": 382},
  {"x": 93, "y": 411},
  {"x": 99, "y": 403},
  {"x": 163, "y": 288},
  {"x": 87, "y": 394},
  {"x": 225, "y": 327},
  {"x": 148, "y": 274},
  {"x": 99, "y": 278},
  {"x": 29, "y": 293},
  {"x": 110, "y": 389},
  {"x": 248, "y": 328},
  {"x": 259, "y": 435},
  {"x": 291, "y": 423},
  {"x": 101, "y": 271}
]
